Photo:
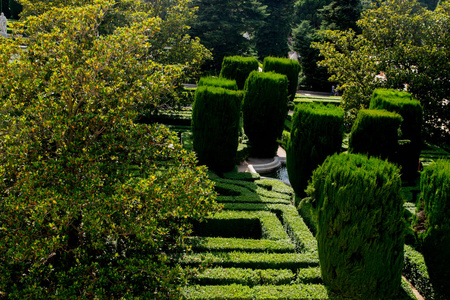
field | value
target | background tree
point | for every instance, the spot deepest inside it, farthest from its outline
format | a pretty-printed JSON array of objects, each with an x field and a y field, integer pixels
[
  {"x": 5, "y": 8},
  {"x": 15, "y": 9},
  {"x": 92, "y": 205},
  {"x": 272, "y": 38},
  {"x": 307, "y": 10},
  {"x": 406, "y": 43},
  {"x": 221, "y": 26},
  {"x": 341, "y": 14}
]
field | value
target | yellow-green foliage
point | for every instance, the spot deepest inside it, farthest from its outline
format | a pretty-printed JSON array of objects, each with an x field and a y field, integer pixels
[
  {"x": 264, "y": 110},
  {"x": 92, "y": 205},
  {"x": 361, "y": 228},
  {"x": 289, "y": 67}
]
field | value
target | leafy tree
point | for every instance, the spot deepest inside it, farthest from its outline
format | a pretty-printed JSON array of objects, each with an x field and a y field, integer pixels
[
  {"x": 5, "y": 8},
  {"x": 272, "y": 38},
  {"x": 307, "y": 10},
  {"x": 406, "y": 43},
  {"x": 15, "y": 9},
  {"x": 92, "y": 205},
  {"x": 221, "y": 26}
]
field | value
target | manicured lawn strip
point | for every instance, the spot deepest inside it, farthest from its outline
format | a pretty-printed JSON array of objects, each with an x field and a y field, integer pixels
[
  {"x": 266, "y": 292},
  {"x": 254, "y": 198},
  {"x": 415, "y": 270},
  {"x": 234, "y": 244},
  {"x": 221, "y": 276},
  {"x": 236, "y": 259},
  {"x": 293, "y": 223},
  {"x": 272, "y": 229}
]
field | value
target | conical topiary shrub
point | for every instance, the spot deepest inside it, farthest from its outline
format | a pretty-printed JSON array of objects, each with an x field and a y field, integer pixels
[
  {"x": 264, "y": 110},
  {"x": 215, "y": 126},
  {"x": 316, "y": 132},
  {"x": 289, "y": 67},
  {"x": 360, "y": 225}
]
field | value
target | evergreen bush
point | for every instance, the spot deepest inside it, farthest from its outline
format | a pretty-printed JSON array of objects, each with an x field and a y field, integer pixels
[
  {"x": 218, "y": 82},
  {"x": 215, "y": 127},
  {"x": 317, "y": 132},
  {"x": 411, "y": 126},
  {"x": 375, "y": 132},
  {"x": 289, "y": 67},
  {"x": 264, "y": 110},
  {"x": 435, "y": 235},
  {"x": 361, "y": 227},
  {"x": 238, "y": 68}
]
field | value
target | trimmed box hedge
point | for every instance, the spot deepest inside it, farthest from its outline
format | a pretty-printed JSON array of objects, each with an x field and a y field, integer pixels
[
  {"x": 235, "y": 244},
  {"x": 215, "y": 127},
  {"x": 218, "y": 82},
  {"x": 238, "y": 68},
  {"x": 289, "y": 67},
  {"x": 317, "y": 132},
  {"x": 375, "y": 133},
  {"x": 361, "y": 227},
  {"x": 411, "y": 127},
  {"x": 264, "y": 109}
]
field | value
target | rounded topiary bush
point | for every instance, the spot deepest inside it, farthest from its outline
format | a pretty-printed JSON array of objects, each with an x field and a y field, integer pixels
[
  {"x": 411, "y": 126},
  {"x": 434, "y": 225},
  {"x": 264, "y": 110},
  {"x": 375, "y": 132},
  {"x": 218, "y": 82},
  {"x": 360, "y": 225},
  {"x": 317, "y": 132},
  {"x": 238, "y": 68},
  {"x": 215, "y": 126},
  {"x": 289, "y": 67}
]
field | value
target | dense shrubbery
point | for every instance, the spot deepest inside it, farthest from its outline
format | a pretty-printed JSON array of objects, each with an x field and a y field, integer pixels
[
  {"x": 375, "y": 132},
  {"x": 92, "y": 205},
  {"x": 286, "y": 66},
  {"x": 218, "y": 82},
  {"x": 434, "y": 226},
  {"x": 264, "y": 110},
  {"x": 215, "y": 127},
  {"x": 361, "y": 228},
  {"x": 411, "y": 126},
  {"x": 316, "y": 132},
  {"x": 238, "y": 68}
]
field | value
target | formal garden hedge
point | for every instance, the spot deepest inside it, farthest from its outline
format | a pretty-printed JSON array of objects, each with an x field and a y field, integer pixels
[
  {"x": 360, "y": 225},
  {"x": 375, "y": 132},
  {"x": 411, "y": 126},
  {"x": 432, "y": 223},
  {"x": 215, "y": 127},
  {"x": 238, "y": 68},
  {"x": 218, "y": 82},
  {"x": 264, "y": 110},
  {"x": 317, "y": 132},
  {"x": 289, "y": 67}
]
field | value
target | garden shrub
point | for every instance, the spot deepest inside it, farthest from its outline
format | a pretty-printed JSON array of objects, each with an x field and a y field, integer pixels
[
  {"x": 215, "y": 127},
  {"x": 238, "y": 68},
  {"x": 289, "y": 67},
  {"x": 375, "y": 132},
  {"x": 361, "y": 228},
  {"x": 237, "y": 244},
  {"x": 433, "y": 227},
  {"x": 92, "y": 205},
  {"x": 264, "y": 109},
  {"x": 316, "y": 133},
  {"x": 416, "y": 271},
  {"x": 218, "y": 82},
  {"x": 411, "y": 126}
]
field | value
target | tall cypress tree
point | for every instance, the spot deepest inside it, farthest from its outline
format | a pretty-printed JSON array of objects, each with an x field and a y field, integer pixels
[
  {"x": 224, "y": 26},
  {"x": 272, "y": 37}
]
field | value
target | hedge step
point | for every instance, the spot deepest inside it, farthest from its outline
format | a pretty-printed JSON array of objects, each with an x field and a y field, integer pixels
[
  {"x": 235, "y": 244},
  {"x": 291, "y": 261}
]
